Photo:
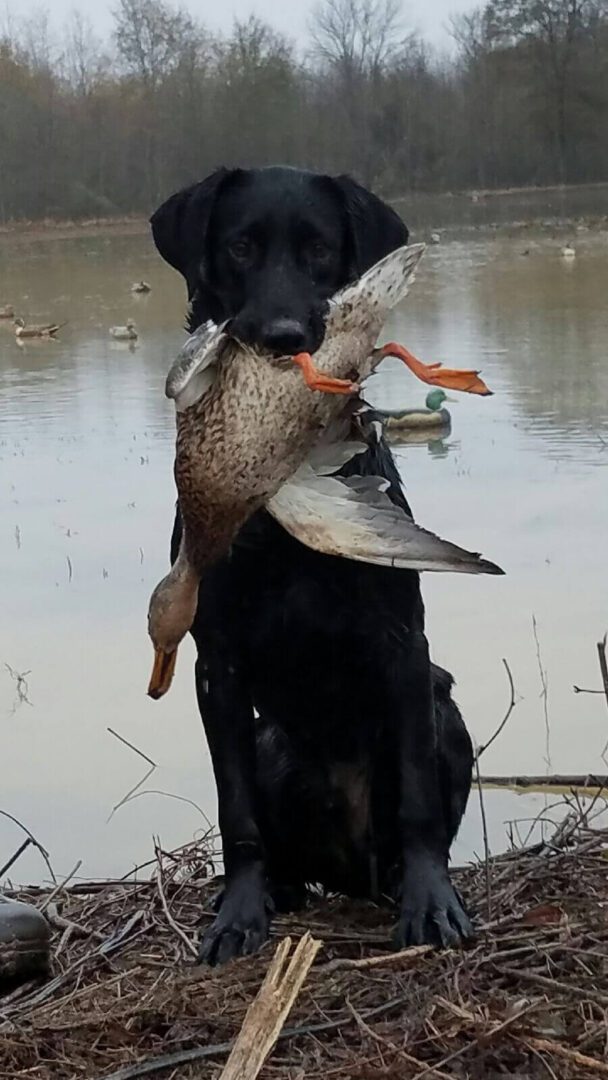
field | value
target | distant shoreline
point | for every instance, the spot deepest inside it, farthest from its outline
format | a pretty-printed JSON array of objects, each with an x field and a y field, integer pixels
[
  {"x": 552, "y": 207},
  {"x": 56, "y": 229}
]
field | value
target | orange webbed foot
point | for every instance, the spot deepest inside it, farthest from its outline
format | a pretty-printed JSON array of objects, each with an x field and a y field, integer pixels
[
  {"x": 436, "y": 375},
  {"x": 316, "y": 380}
]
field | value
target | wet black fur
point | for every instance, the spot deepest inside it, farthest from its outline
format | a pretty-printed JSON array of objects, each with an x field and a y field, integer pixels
[{"x": 356, "y": 772}]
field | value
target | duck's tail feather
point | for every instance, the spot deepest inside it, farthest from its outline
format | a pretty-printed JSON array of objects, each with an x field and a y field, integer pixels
[{"x": 353, "y": 518}]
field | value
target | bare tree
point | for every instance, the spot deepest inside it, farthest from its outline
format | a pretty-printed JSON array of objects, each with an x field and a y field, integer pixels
[
  {"x": 552, "y": 31},
  {"x": 84, "y": 60},
  {"x": 37, "y": 38},
  {"x": 359, "y": 37},
  {"x": 150, "y": 37},
  {"x": 524, "y": 100}
]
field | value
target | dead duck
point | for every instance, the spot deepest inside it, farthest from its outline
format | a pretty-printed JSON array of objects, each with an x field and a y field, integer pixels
[
  {"x": 46, "y": 330},
  {"x": 141, "y": 287},
  {"x": 432, "y": 418},
  {"x": 250, "y": 433},
  {"x": 128, "y": 332},
  {"x": 7, "y": 311}
]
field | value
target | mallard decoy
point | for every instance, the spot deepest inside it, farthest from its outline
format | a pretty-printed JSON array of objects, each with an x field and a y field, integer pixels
[
  {"x": 7, "y": 312},
  {"x": 246, "y": 424},
  {"x": 433, "y": 418},
  {"x": 124, "y": 333},
  {"x": 141, "y": 287},
  {"x": 46, "y": 330}
]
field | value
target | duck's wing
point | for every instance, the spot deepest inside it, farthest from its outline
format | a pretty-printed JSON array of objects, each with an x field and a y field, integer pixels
[
  {"x": 192, "y": 373},
  {"x": 354, "y": 518},
  {"x": 352, "y": 432},
  {"x": 383, "y": 286}
]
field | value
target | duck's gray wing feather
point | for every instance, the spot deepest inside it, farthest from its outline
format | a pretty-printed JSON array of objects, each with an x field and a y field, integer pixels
[{"x": 354, "y": 518}]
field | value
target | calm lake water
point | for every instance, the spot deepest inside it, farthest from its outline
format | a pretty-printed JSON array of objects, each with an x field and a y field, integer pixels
[{"x": 86, "y": 506}]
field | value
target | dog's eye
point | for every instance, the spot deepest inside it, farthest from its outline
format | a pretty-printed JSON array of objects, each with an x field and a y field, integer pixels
[
  {"x": 319, "y": 250},
  {"x": 241, "y": 250}
]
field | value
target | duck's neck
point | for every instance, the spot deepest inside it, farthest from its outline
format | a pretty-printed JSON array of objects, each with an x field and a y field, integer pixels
[{"x": 184, "y": 571}]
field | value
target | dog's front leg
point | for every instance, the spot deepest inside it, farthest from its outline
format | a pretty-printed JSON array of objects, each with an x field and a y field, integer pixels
[
  {"x": 431, "y": 911},
  {"x": 241, "y": 925}
]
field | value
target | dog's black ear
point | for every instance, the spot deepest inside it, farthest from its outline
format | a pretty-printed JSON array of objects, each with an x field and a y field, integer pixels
[
  {"x": 179, "y": 226},
  {"x": 376, "y": 230}
]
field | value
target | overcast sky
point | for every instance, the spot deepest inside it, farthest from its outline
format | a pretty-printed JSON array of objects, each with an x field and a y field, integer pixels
[{"x": 427, "y": 16}]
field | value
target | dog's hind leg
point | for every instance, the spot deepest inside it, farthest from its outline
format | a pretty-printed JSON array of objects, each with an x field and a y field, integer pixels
[
  {"x": 431, "y": 911},
  {"x": 455, "y": 751}
]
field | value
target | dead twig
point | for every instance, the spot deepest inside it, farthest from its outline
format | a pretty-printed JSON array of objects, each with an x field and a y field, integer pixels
[
  {"x": 191, "y": 947},
  {"x": 394, "y": 959},
  {"x": 512, "y": 703},
  {"x": 601, "y": 653},
  {"x": 547, "y": 1046},
  {"x": 22, "y": 689},
  {"x": 135, "y": 749},
  {"x": 579, "y": 992},
  {"x": 486, "y": 843},
  {"x": 62, "y": 884},
  {"x": 397, "y": 1050},
  {"x": 544, "y": 694},
  {"x": 487, "y": 1033},
  {"x": 16, "y": 855},
  {"x": 34, "y": 841},
  {"x": 267, "y": 1014}
]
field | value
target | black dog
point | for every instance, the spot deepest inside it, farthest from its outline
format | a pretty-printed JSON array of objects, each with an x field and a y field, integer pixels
[{"x": 356, "y": 771}]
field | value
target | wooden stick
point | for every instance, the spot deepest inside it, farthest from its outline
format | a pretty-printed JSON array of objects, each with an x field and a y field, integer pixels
[
  {"x": 393, "y": 959},
  {"x": 601, "y": 654},
  {"x": 486, "y": 844},
  {"x": 546, "y": 1046},
  {"x": 267, "y": 1013},
  {"x": 589, "y": 781},
  {"x": 581, "y": 993}
]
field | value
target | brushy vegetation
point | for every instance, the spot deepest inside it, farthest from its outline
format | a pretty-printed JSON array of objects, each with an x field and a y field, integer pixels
[{"x": 91, "y": 128}]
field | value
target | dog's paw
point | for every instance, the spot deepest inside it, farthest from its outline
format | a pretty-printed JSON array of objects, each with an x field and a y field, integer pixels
[
  {"x": 432, "y": 913},
  {"x": 241, "y": 926}
]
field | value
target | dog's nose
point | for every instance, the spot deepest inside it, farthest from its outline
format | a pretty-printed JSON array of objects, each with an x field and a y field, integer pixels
[{"x": 285, "y": 336}]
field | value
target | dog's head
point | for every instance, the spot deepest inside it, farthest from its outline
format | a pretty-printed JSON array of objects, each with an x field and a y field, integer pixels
[{"x": 266, "y": 248}]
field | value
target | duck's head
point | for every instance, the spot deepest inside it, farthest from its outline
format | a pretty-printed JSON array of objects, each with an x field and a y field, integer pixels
[
  {"x": 130, "y": 324},
  {"x": 170, "y": 616},
  {"x": 18, "y": 321},
  {"x": 435, "y": 399}
]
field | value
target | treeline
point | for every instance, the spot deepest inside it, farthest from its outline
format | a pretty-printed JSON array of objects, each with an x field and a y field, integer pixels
[{"x": 89, "y": 128}]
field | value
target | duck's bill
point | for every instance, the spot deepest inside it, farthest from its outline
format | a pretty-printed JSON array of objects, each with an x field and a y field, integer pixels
[
  {"x": 465, "y": 380},
  {"x": 163, "y": 671}
]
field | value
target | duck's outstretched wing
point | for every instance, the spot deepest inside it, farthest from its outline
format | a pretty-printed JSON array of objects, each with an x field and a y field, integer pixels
[
  {"x": 381, "y": 287},
  {"x": 353, "y": 518},
  {"x": 192, "y": 373}
]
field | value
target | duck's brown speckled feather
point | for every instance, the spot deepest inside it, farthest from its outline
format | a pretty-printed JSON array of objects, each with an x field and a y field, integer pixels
[{"x": 249, "y": 433}]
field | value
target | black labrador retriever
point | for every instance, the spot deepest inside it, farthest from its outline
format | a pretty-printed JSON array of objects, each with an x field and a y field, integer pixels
[{"x": 339, "y": 755}]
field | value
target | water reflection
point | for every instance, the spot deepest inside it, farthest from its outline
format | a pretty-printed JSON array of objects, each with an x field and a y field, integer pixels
[
  {"x": 436, "y": 447},
  {"x": 86, "y": 497}
]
